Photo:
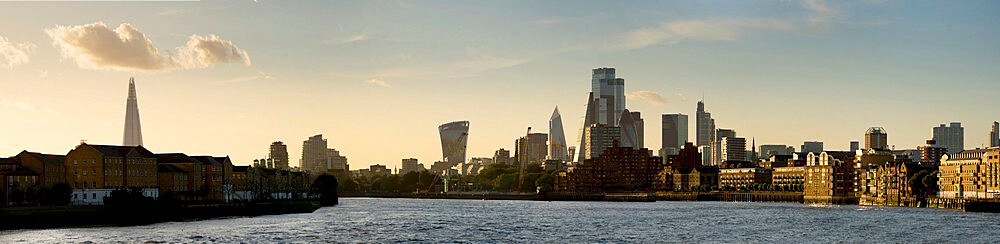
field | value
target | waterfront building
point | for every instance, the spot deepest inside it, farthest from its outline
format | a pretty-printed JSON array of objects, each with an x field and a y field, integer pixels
[
  {"x": 951, "y": 137},
  {"x": 531, "y": 148},
  {"x": 994, "y": 139},
  {"x": 93, "y": 171},
  {"x": 674, "y": 133},
  {"x": 743, "y": 177},
  {"x": 970, "y": 174},
  {"x": 892, "y": 181},
  {"x": 618, "y": 169},
  {"x": 688, "y": 179},
  {"x": 557, "y": 138},
  {"x": 241, "y": 183},
  {"x": 133, "y": 131},
  {"x": 876, "y": 138},
  {"x": 454, "y": 139},
  {"x": 705, "y": 126},
  {"x": 15, "y": 179},
  {"x": 828, "y": 179},
  {"x": 217, "y": 177},
  {"x": 173, "y": 181},
  {"x": 279, "y": 153},
  {"x": 410, "y": 165},
  {"x": 51, "y": 169},
  {"x": 195, "y": 174},
  {"x": 599, "y": 137},
  {"x": 788, "y": 177},
  {"x": 812, "y": 147}
]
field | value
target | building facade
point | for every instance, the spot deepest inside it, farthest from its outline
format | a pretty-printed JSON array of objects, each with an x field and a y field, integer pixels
[
  {"x": 970, "y": 174},
  {"x": 674, "y": 133},
  {"x": 531, "y": 148},
  {"x": 812, "y": 147},
  {"x": 876, "y": 138},
  {"x": 279, "y": 153},
  {"x": 828, "y": 179},
  {"x": 93, "y": 171},
  {"x": 597, "y": 138},
  {"x": 951, "y": 137}
]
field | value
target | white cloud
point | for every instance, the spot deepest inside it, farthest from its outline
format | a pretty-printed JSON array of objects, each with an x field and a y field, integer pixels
[
  {"x": 348, "y": 39},
  {"x": 377, "y": 81},
  {"x": 12, "y": 53},
  {"x": 203, "y": 52},
  {"x": 95, "y": 46},
  {"x": 730, "y": 29},
  {"x": 25, "y": 106},
  {"x": 648, "y": 96}
]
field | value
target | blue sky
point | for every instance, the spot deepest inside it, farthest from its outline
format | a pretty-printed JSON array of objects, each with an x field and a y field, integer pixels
[{"x": 377, "y": 77}]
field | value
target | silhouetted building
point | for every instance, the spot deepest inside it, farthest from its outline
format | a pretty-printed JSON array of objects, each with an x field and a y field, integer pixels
[
  {"x": 812, "y": 147},
  {"x": 994, "y": 139},
  {"x": 951, "y": 137},
  {"x": 598, "y": 137},
  {"x": 876, "y": 138},
  {"x": 51, "y": 169},
  {"x": 705, "y": 126},
  {"x": 314, "y": 154},
  {"x": 855, "y": 145},
  {"x": 503, "y": 156},
  {"x": 531, "y": 148},
  {"x": 618, "y": 169},
  {"x": 279, "y": 153},
  {"x": 687, "y": 158},
  {"x": 674, "y": 133},
  {"x": 629, "y": 130},
  {"x": 410, "y": 165}
]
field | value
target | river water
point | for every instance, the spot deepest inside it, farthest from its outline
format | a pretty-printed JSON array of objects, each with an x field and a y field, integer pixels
[{"x": 436, "y": 221}]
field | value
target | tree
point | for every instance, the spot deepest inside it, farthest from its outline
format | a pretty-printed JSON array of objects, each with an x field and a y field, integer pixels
[
  {"x": 326, "y": 186},
  {"x": 930, "y": 181},
  {"x": 349, "y": 185},
  {"x": 916, "y": 184}
]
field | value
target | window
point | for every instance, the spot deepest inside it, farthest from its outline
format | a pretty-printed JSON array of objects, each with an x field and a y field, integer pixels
[{"x": 95, "y": 184}]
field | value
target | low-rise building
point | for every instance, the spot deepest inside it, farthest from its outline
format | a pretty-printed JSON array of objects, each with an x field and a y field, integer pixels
[
  {"x": 50, "y": 168},
  {"x": 688, "y": 179},
  {"x": 93, "y": 171},
  {"x": 970, "y": 174},
  {"x": 742, "y": 177},
  {"x": 788, "y": 177},
  {"x": 828, "y": 179}
]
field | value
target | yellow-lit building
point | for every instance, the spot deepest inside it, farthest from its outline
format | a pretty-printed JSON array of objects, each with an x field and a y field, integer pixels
[
  {"x": 93, "y": 171},
  {"x": 970, "y": 174}
]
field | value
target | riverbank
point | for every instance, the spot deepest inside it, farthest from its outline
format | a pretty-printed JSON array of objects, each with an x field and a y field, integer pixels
[{"x": 93, "y": 216}]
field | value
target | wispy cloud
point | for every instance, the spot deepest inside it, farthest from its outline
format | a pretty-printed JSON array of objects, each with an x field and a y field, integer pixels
[
  {"x": 95, "y": 46},
  {"x": 545, "y": 21},
  {"x": 730, "y": 29},
  {"x": 377, "y": 81},
  {"x": 648, "y": 96},
  {"x": 260, "y": 76},
  {"x": 682, "y": 97},
  {"x": 25, "y": 106},
  {"x": 348, "y": 39},
  {"x": 13, "y": 54}
]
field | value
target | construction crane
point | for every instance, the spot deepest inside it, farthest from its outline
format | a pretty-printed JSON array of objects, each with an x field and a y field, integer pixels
[{"x": 527, "y": 148}]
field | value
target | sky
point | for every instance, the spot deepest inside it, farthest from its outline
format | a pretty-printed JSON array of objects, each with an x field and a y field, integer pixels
[{"x": 376, "y": 78}]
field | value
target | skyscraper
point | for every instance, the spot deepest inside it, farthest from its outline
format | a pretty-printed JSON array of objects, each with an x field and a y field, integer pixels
[
  {"x": 531, "y": 148},
  {"x": 732, "y": 149},
  {"x": 951, "y": 137},
  {"x": 995, "y": 135},
  {"x": 630, "y": 134},
  {"x": 598, "y": 137},
  {"x": 454, "y": 138},
  {"x": 133, "y": 132},
  {"x": 557, "y": 139},
  {"x": 876, "y": 138},
  {"x": 609, "y": 92},
  {"x": 717, "y": 147},
  {"x": 640, "y": 129},
  {"x": 279, "y": 153},
  {"x": 705, "y": 126},
  {"x": 314, "y": 154},
  {"x": 589, "y": 118},
  {"x": 855, "y": 145},
  {"x": 815, "y": 147},
  {"x": 675, "y": 133}
]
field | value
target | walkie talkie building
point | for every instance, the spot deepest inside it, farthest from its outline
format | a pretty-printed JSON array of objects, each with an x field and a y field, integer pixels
[{"x": 454, "y": 138}]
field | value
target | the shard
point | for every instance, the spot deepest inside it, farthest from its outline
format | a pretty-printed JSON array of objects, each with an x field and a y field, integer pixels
[
  {"x": 557, "y": 138},
  {"x": 133, "y": 132}
]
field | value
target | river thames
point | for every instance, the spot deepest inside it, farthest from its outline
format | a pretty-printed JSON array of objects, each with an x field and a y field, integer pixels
[{"x": 431, "y": 220}]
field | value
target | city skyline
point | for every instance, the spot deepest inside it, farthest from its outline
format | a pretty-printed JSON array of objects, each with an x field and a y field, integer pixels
[{"x": 827, "y": 82}]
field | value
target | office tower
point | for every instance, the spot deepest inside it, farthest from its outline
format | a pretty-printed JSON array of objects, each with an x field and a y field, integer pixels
[
  {"x": 531, "y": 148},
  {"x": 931, "y": 152},
  {"x": 454, "y": 138},
  {"x": 572, "y": 152},
  {"x": 815, "y": 147},
  {"x": 705, "y": 126},
  {"x": 609, "y": 93},
  {"x": 598, "y": 137},
  {"x": 133, "y": 132},
  {"x": 706, "y": 155},
  {"x": 335, "y": 161},
  {"x": 410, "y": 165},
  {"x": 995, "y": 135},
  {"x": 733, "y": 149},
  {"x": 717, "y": 157},
  {"x": 640, "y": 129},
  {"x": 876, "y": 138},
  {"x": 557, "y": 139},
  {"x": 589, "y": 118},
  {"x": 314, "y": 154},
  {"x": 675, "y": 133},
  {"x": 502, "y": 156},
  {"x": 951, "y": 137},
  {"x": 771, "y": 150},
  {"x": 279, "y": 152},
  {"x": 630, "y": 134},
  {"x": 855, "y": 145}
]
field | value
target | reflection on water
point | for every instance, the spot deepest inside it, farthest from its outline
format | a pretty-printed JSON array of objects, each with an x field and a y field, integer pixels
[{"x": 426, "y": 220}]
